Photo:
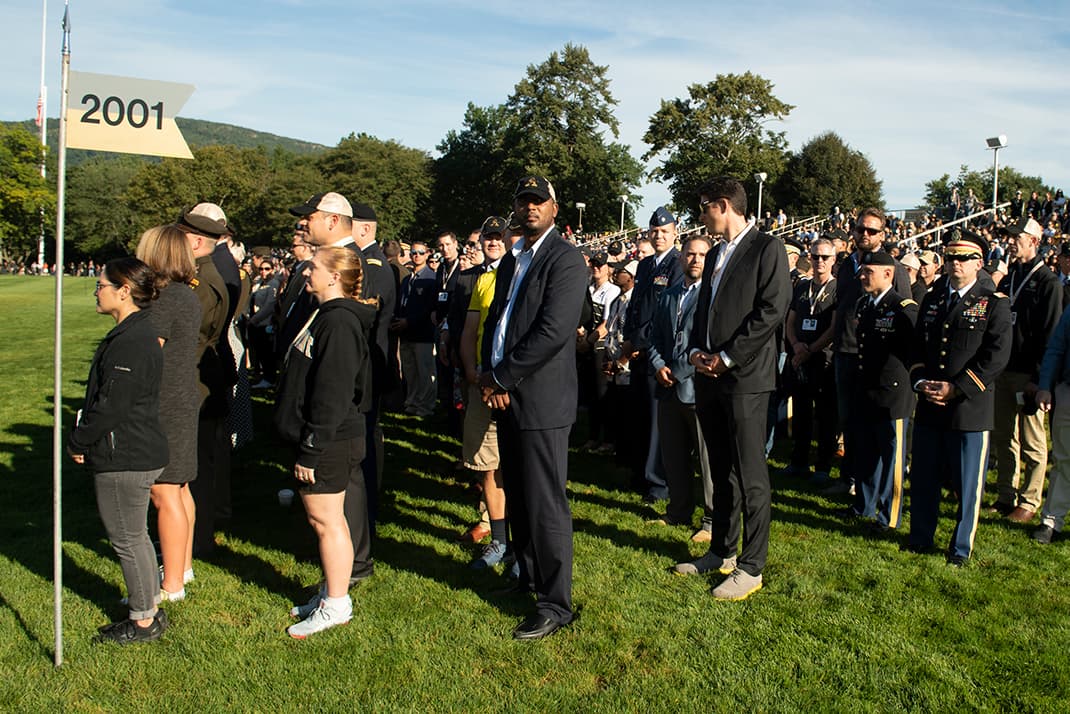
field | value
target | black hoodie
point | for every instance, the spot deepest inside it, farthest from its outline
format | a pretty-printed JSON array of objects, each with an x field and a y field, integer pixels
[{"x": 326, "y": 386}]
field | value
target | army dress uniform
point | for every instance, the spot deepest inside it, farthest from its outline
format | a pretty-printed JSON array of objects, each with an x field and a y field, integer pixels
[
  {"x": 962, "y": 337},
  {"x": 883, "y": 403}
]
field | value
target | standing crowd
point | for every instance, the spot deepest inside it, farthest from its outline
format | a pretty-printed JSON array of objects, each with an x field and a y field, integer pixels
[{"x": 687, "y": 353}]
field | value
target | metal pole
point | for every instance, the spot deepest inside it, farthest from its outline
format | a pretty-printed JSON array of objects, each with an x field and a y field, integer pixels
[
  {"x": 623, "y": 203},
  {"x": 581, "y": 219},
  {"x": 758, "y": 218},
  {"x": 995, "y": 176},
  {"x": 57, "y": 367},
  {"x": 42, "y": 112}
]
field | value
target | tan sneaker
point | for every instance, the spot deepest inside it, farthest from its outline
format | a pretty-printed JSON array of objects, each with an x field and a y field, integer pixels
[
  {"x": 706, "y": 564},
  {"x": 738, "y": 586},
  {"x": 701, "y": 536}
]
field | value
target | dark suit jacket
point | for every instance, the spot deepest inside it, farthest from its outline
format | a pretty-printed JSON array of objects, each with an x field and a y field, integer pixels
[
  {"x": 745, "y": 315},
  {"x": 650, "y": 282},
  {"x": 968, "y": 346},
  {"x": 539, "y": 364},
  {"x": 1036, "y": 309},
  {"x": 885, "y": 348},
  {"x": 379, "y": 283},
  {"x": 417, "y": 299}
]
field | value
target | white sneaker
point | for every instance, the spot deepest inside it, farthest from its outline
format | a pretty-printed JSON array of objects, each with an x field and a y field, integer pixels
[
  {"x": 300, "y": 612},
  {"x": 706, "y": 564},
  {"x": 738, "y": 586},
  {"x": 322, "y": 618}
]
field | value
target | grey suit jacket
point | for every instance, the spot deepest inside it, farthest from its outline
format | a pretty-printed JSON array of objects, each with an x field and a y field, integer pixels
[{"x": 668, "y": 343}]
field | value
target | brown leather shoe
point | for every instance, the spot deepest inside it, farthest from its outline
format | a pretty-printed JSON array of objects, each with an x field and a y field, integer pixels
[
  {"x": 1021, "y": 515},
  {"x": 701, "y": 536},
  {"x": 474, "y": 534}
]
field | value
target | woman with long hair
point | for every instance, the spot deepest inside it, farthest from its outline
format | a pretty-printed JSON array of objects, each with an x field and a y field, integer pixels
[
  {"x": 119, "y": 437},
  {"x": 324, "y": 393},
  {"x": 176, "y": 318}
]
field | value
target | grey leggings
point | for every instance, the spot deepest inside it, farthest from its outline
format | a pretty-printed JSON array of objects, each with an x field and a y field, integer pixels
[{"x": 123, "y": 502}]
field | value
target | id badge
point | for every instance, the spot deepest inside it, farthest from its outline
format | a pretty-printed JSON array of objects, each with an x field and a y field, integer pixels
[
  {"x": 809, "y": 324},
  {"x": 1014, "y": 317},
  {"x": 443, "y": 296}
]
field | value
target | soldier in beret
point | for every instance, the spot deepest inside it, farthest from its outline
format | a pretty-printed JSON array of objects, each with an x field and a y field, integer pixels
[
  {"x": 962, "y": 343},
  {"x": 884, "y": 399}
]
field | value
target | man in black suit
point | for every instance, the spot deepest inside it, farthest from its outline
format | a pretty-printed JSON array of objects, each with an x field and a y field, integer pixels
[
  {"x": 743, "y": 301},
  {"x": 529, "y": 347}
]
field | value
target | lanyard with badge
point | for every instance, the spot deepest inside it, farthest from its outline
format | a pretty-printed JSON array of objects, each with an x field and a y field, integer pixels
[
  {"x": 809, "y": 324},
  {"x": 1015, "y": 293},
  {"x": 443, "y": 294}
]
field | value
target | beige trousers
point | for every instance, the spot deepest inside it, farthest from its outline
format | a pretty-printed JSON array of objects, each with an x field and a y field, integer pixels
[{"x": 1018, "y": 439}]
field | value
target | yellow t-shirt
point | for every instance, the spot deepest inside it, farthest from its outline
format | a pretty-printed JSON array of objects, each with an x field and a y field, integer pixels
[{"x": 482, "y": 297}]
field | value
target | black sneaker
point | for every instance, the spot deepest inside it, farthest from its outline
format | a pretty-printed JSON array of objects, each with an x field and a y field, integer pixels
[
  {"x": 125, "y": 632},
  {"x": 1045, "y": 534}
]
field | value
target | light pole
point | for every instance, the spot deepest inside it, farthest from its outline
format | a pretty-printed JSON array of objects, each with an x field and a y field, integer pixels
[
  {"x": 760, "y": 178},
  {"x": 581, "y": 206},
  {"x": 623, "y": 203},
  {"x": 995, "y": 143}
]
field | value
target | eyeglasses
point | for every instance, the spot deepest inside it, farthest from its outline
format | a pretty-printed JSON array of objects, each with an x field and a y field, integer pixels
[
  {"x": 101, "y": 285},
  {"x": 818, "y": 256},
  {"x": 859, "y": 230}
]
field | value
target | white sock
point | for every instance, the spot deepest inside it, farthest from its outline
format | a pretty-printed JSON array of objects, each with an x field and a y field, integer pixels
[
  {"x": 187, "y": 577},
  {"x": 338, "y": 604}
]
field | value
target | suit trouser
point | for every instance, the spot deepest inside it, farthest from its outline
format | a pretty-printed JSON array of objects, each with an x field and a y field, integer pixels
[
  {"x": 355, "y": 506},
  {"x": 961, "y": 455},
  {"x": 881, "y": 462},
  {"x": 1058, "y": 501},
  {"x": 734, "y": 428},
  {"x": 213, "y": 474},
  {"x": 643, "y": 384},
  {"x": 681, "y": 442},
  {"x": 418, "y": 367},
  {"x": 1018, "y": 437},
  {"x": 846, "y": 366},
  {"x": 534, "y": 472},
  {"x": 813, "y": 399}
]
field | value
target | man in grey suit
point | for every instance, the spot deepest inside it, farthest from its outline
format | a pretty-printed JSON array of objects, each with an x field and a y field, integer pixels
[
  {"x": 681, "y": 435},
  {"x": 529, "y": 345},
  {"x": 744, "y": 298}
]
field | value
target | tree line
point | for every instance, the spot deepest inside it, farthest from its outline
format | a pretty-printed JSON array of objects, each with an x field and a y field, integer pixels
[{"x": 559, "y": 121}]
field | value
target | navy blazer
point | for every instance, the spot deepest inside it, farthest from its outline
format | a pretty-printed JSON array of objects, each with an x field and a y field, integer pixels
[
  {"x": 668, "y": 343},
  {"x": 651, "y": 280},
  {"x": 538, "y": 368},
  {"x": 745, "y": 316}
]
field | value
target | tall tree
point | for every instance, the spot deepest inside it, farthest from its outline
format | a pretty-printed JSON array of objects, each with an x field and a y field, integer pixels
[
  {"x": 394, "y": 180},
  {"x": 23, "y": 193},
  {"x": 99, "y": 220},
  {"x": 719, "y": 129},
  {"x": 826, "y": 172},
  {"x": 558, "y": 122},
  {"x": 938, "y": 191}
]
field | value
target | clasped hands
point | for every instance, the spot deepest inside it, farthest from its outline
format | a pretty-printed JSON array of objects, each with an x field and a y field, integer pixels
[
  {"x": 491, "y": 392},
  {"x": 710, "y": 365},
  {"x": 937, "y": 392}
]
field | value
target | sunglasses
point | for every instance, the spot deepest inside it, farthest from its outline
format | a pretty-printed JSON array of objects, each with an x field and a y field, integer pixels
[
  {"x": 265, "y": 267},
  {"x": 418, "y": 252},
  {"x": 818, "y": 256},
  {"x": 961, "y": 258},
  {"x": 471, "y": 246},
  {"x": 860, "y": 230}
]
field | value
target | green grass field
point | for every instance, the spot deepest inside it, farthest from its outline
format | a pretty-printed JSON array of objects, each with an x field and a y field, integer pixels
[{"x": 844, "y": 623}]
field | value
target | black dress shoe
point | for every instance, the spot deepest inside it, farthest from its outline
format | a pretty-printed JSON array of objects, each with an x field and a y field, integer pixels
[
  {"x": 515, "y": 588},
  {"x": 536, "y": 627},
  {"x": 919, "y": 549},
  {"x": 956, "y": 561}
]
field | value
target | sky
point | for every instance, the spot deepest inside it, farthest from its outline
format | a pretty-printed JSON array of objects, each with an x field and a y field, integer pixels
[{"x": 915, "y": 86}]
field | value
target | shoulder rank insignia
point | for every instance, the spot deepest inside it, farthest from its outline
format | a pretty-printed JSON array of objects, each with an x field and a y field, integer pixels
[
  {"x": 999, "y": 295},
  {"x": 374, "y": 261},
  {"x": 194, "y": 283},
  {"x": 908, "y": 301}
]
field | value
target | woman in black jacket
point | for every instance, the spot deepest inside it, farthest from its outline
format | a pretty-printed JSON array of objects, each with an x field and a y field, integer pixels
[
  {"x": 119, "y": 437},
  {"x": 324, "y": 393}
]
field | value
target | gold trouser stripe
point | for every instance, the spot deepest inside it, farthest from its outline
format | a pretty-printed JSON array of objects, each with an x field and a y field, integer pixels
[
  {"x": 897, "y": 474},
  {"x": 980, "y": 486}
]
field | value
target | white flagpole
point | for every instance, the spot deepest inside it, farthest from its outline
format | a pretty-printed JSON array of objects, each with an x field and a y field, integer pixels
[
  {"x": 42, "y": 113},
  {"x": 57, "y": 377}
]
